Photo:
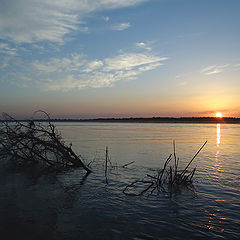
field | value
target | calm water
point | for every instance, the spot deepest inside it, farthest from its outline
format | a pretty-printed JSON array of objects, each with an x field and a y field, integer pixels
[{"x": 69, "y": 207}]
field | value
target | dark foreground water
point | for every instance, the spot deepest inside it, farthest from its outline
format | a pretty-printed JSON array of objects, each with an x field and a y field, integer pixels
[{"x": 69, "y": 206}]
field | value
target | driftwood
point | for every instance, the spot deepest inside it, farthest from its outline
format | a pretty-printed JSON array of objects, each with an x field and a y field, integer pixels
[
  {"x": 166, "y": 179},
  {"x": 32, "y": 142}
]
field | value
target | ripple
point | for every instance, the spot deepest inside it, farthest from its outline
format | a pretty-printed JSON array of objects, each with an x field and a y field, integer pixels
[{"x": 67, "y": 207}]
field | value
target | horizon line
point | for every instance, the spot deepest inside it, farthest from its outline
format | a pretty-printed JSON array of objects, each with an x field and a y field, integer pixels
[{"x": 139, "y": 119}]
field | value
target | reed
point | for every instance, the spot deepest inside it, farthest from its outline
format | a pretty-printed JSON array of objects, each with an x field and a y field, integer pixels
[{"x": 168, "y": 179}]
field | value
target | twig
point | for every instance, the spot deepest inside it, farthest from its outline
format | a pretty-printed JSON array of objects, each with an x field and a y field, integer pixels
[
  {"x": 125, "y": 165},
  {"x": 106, "y": 161},
  {"x": 184, "y": 171}
]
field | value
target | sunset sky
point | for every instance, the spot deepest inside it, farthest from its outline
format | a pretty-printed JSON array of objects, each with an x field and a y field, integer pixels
[{"x": 120, "y": 58}]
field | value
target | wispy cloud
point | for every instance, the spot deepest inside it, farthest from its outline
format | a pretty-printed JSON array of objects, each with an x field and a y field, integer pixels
[
  {"x": 214, "y": 69},
  {"x": 77, "y": 72},
  {"x": 106, "y": 18},
  {"x": 212, "y": 112},
  {"x": 237, "y": 66},
  {"x": 121, "y": 26},
  {"x": 30, "y": 21},
  {"x": 59, "y": 64},
  {"x": 143, "y": 45},
  {"x": 7, "y": 50},
  {"x": 94, "y": 65},
  {"x": 4, "y": 63},
  {"x": 151, "y": 66},
  {"x": 128, "y": 61},
  {"x": 183, "y": 83}
]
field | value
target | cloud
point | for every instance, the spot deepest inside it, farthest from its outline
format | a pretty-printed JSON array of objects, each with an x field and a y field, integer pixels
[
  {"x": 27, "y": 21},
  {"x": 128, "y": 61},
  {"x": 77, "y": 72},
  {"x": 7, "y": 50},
  {"x": 106, "y": 19},
  {"x": 214, "y": 69},
  {"x": 59, "y": 64},
  {"x": 63, "y": 84},
  {"x": 184, "y": 83},
  {"x": 4, "y": 63},
  {"x": 152, "y": 66},
  {"x": 143, "y": 45},
  {"x": 212, "y": 112},
  {"x": 237, "y": 66},
  {"x": 121, "y": 26},
  {"x": 91, "y": 66}
]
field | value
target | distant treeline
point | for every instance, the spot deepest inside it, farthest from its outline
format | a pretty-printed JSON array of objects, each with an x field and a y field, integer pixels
[{"x": 148, "y": 120}]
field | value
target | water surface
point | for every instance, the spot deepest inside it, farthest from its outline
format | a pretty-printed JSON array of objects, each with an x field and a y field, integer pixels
[{"x": 67, "y": 207}]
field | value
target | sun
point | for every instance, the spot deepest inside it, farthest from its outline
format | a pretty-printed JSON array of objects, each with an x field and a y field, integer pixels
[{"x": 219, "y": 115}]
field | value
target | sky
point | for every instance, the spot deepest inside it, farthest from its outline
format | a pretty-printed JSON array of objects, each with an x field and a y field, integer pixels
[{"x": 120, "y": 58}]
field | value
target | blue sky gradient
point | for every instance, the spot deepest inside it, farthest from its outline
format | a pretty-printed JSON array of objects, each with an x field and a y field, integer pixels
[{"x": 125, "y": 58}]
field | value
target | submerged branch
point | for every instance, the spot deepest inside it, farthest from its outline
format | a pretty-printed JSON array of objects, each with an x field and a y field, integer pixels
[{"x": 28, "y": 143}]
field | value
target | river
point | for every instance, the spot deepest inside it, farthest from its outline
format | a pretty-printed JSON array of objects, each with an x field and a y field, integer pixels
[{"x": 68, "y": 206}]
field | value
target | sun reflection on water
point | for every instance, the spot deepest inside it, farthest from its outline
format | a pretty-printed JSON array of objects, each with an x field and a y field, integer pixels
[
  {"x": 218, "y": 134},
  {"x": 217, "y": 167},
  {"x": 214, "y": 221}
]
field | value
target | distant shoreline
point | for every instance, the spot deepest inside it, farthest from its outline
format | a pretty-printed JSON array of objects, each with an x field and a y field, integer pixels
[{"x": 147, "y": 120}]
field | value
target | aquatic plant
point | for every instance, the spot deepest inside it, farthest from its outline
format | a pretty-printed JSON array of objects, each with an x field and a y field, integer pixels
[
  {"x": 31, "y": 142},
  {"x": 168, "y": 179}
]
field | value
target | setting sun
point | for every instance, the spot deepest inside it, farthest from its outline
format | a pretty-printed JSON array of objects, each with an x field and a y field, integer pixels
[{"x": 219, "y": 115}]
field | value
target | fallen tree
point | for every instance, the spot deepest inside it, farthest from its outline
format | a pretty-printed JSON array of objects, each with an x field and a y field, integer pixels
[{"x": 32, "y": 142}]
